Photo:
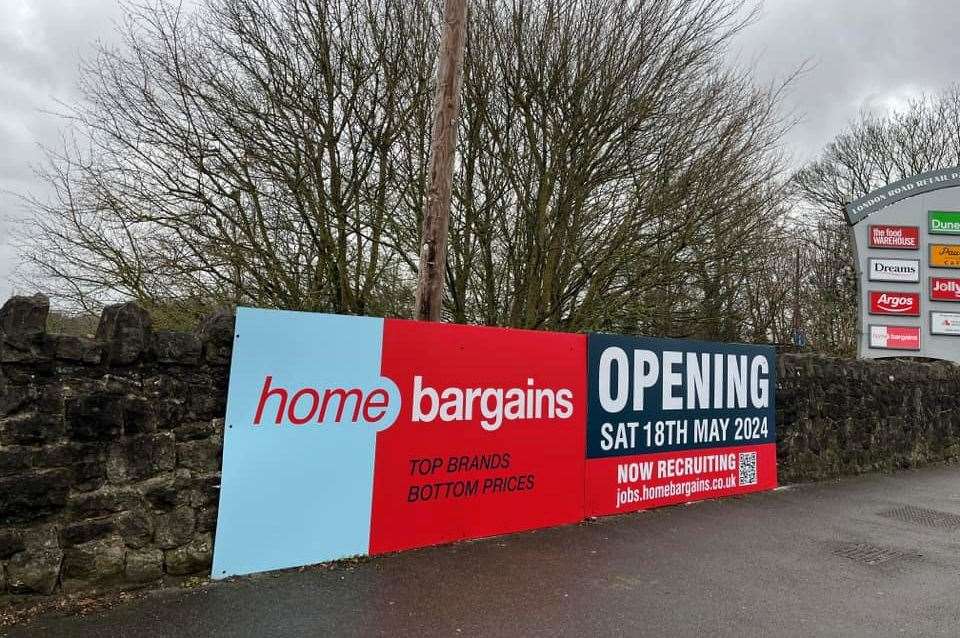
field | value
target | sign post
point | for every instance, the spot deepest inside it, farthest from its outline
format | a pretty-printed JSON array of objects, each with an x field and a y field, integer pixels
[{"x": 906, "y": 238}]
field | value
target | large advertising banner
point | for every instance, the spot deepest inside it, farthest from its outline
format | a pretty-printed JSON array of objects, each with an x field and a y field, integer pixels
[
  {"x": 671, "y": 421},
  {"x": 356, "y": 435}
]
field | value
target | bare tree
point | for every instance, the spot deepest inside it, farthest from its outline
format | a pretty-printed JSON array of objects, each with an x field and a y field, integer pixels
[
  {"x": 875, "y": 150},
  {"x": 611, "y": 173}
]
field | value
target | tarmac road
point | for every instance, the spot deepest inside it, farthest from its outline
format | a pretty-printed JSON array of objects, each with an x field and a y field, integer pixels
[{"x": 869, "y": 556}]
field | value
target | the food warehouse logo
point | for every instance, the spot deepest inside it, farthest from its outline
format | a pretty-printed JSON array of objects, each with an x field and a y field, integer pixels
[
  {"x": 491, "y": 407},
  {"x": 897, "y": 237}
]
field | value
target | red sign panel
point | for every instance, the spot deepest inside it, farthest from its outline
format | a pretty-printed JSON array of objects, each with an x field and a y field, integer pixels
[
  {"x": 895, "y": 337},
  {"x": 489, "y": 438},
  {"x": 906, "y": 304},
  {"x": 944, "y": 289},
  {"x": 671, "y": 421},
  {"x": 898, "y": 237}
]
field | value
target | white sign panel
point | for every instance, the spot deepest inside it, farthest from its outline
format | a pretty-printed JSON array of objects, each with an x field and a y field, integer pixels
[
  {"x": 945, "y": 323},
  {"x": 894, "y": 270}
]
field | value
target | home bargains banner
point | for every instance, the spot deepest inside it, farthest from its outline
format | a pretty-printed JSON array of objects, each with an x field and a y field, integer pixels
[
  {"x": 671, "y": 421},
  {"x": 355, "y": 435}
]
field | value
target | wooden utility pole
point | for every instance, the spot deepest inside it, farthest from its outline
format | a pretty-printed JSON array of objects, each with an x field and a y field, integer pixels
[{"x": 436, "y": 200}]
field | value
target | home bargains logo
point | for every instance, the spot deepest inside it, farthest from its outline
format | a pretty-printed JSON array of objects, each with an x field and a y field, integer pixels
[
  {"x": 944, "y": 289},
  {"x": 899, "y": 237},
  {"x": 906, "y": 304},
  {"x": 895, "y": 337}
]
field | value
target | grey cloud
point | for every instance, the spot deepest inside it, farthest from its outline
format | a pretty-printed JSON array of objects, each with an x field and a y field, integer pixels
[
  {"x": 864, "y": 54},
  {"x": 41, "y": 43}
]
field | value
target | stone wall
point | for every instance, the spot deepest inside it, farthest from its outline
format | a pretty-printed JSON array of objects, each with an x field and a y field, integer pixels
[
  {"x": 838, "y": 416},
  {"x": 110, "y": 447}
]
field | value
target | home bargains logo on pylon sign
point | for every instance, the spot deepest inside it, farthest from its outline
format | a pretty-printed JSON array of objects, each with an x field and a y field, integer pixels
[
  {"x": 671, "y": 421},
  {"x": 890, "y": 236},
  {"x": 906, "y": 304},
  {"x": 895, "y": 337},
  {"x": 353, "y": 435}
]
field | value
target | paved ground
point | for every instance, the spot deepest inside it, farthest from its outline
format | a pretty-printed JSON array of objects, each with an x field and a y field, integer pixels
[{"x": 818, "y": 560}]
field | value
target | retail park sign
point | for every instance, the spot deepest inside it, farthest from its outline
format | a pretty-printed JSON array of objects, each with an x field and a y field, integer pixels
[{"x": 906, "y": 238}]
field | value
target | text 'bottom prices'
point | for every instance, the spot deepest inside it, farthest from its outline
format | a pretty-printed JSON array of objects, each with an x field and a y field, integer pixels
[{"x": 622, "y": 484}]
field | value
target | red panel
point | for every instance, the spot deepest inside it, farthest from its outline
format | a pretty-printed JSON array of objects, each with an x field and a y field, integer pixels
[
  {"x": 895, "y": 337},
  {"x": 898, "y": 237},
  {"x": 944, "y": 289},
  {"x": 526, "y": 473},
  {"x": 905, "y": 304},
  {"x": 621, "y": 484}
]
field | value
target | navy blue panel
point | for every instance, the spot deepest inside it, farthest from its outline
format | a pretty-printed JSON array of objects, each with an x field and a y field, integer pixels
[{"x": 741, "y": 413}]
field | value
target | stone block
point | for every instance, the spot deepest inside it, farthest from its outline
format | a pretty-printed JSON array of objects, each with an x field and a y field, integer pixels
[
  {"x": 161, "y": 493},
  {"x": 94, "y": 564},
  {"x": 87, "y": 530},
  {"x": 126, "y": 332},
  {"x": 202, "y": 455},
  {"x": 144, "y": 566},
  {"x": 140, "y": 457},
  {"x": 199, "y": 430},
  {"x": 139, "y": 416},
  {"x": 86, "y": 460},
  {"x": 36, "y": 569},
  {"x": 11, "y": 542},
  {"x": 105, "y": 501},
  {"x": 24, "y": 316},
  {"x": 207, "y": 519},
  {"x": 33, "y": 495},
  {"x": 95, "y": 417},
  {"x": 195, "y": 557},
  {"x": 206, "y": 490},
  {"x": 181, "y": 348},
  {"x": 78, "y": 349},
  {"x": 14, "y": 460},
  {"x": 136, "y": 528},
  {"x": 216, "y": 334},
  {"x": 205, "y": 403},
  {"x": 175, "y": 528},
  {"x": 15, "y": 397},
  {"x": 31, "y": 428}
]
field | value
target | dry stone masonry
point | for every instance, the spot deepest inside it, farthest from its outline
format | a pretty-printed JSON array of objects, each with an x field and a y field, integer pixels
[{"x": 110, "y": 447}]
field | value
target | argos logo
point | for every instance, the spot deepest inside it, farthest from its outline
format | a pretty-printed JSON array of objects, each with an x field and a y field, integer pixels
[{"x": 895, "y": 303}]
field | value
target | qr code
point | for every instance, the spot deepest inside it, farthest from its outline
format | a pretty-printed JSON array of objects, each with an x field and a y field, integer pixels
[{"x": 748, "y": 468}]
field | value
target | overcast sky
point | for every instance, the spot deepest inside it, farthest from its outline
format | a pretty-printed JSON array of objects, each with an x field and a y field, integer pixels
[{"x": 861, "y": 54}]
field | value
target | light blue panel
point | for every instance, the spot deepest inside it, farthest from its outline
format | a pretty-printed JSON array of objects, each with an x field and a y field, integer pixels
[{"x": 289, "y": 495}]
